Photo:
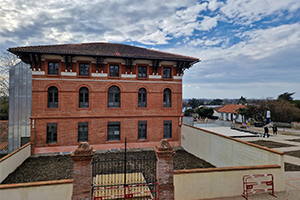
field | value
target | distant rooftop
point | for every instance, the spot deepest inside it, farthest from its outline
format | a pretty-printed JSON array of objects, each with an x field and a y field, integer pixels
[{"x": 230, "y": 108}]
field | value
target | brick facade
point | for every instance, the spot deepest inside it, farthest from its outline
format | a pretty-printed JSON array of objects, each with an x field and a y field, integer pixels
[{"x": 98, "y": 80}]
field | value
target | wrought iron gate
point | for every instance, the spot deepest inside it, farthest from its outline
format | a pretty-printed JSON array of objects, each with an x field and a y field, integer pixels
[{"x": 123, "y": 174}]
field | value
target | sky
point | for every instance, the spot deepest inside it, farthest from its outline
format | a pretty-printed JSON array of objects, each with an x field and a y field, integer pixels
[{"x": 247, "y": 48}]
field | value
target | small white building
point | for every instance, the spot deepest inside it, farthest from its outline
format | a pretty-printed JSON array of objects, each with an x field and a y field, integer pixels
[{"x": 229, "y": 113}]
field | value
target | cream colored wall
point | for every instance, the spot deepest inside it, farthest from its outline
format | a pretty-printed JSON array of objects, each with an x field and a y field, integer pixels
[
  {"x": 224, "y": 152},
  {"x": 46, "y": 192},
  {"x": 13, "y": 160},
  {"x": 190, "y": 186}
]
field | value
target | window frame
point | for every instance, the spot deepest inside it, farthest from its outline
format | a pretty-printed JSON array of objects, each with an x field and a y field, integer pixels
[
  {"x": 167, "y": 98},
  {"x": 113, "y": 126},
  {"x": 142, "y": 98},
  {"x": 167, "y": 129},
  {"x": 83, "y": 135},
  {"x": 54, "y": 69},
  {"x": 84, "y": 95},
  {"x": 167, "y": 72},
  {"x": 113, "y": 73},
  {"x": 53, "y": 134},
  {"x": 144, "y": 74},
  {"x": 53, "y": 95},
  {"x": 85, "y": 72},
  {"x": 113, "y": 102},
  {"x": 142, "y": 130}
]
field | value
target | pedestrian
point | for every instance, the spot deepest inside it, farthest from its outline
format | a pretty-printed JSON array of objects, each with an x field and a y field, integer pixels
[
  {"x": 266, "y": 131},
  {"x": 274, "y": 129}
]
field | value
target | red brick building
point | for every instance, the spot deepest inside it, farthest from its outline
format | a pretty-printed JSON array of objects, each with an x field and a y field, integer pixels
[{"x": 102, "y": 93}]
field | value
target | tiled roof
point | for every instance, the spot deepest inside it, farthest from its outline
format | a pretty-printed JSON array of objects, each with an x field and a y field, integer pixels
[
  {"x": 230, "y": 108},
  {"x": 102, "y": 49}
]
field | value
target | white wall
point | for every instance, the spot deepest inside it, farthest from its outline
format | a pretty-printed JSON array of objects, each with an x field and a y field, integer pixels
[
  {"x": 47, "y": 190},
  {"x": 223, "y": 151},
  {"x": 232, "y": 157},
  {"x": 220, "y": 183},
  {"x": 9, "y": 163}
]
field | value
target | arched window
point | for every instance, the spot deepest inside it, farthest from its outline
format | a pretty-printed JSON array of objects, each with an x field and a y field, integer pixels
[
  {"x": 83, "y": 97},
  {"x": 167, "y": 98},
  {"x": 142, "y": 98},
  {"x": 52, "y": 97},
  {"x": 114, "y": 97}
]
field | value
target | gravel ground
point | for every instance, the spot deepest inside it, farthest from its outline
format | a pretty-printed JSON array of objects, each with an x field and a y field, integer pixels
[
  {"x": 288, "y": 167},
  {"x": 295, "y": 140},
  {"x": 270, "y": 144},
  {"x": 293, "y": 153},
  {"x": 45, "y": 168}
]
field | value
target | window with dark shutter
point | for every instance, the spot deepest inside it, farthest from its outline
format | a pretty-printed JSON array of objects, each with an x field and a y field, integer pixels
[
  {"x": 142, "y": 71},
  {"x": 142, "y": 130},
  {"x": 113, "y": 131},
  {"x": 52, "y": 97},
  {"x": 167, "y": 72},
  {"x": 84, "y": 69},
  {"x": 167, "y": 129},
  {"x": 83, "y": 131},
  {"x": 53, "y": 68},
  {"x": 142, "y": 98},
  {"x": 83, "y": 97},
  {"x": 114, "y": 97},
  {"x": 51, "y": 133},
  {"x": 167, "y": 98},
  {"x": 114, "y": 70}
]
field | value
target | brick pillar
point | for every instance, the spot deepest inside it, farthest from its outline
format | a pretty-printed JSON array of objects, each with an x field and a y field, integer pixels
[
  {"x": 164, "y": 169},
  {"x": 82, "y": 173}
]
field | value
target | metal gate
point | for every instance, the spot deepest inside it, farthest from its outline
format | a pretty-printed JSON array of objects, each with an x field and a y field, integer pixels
[{"x": 123, "y": 174}]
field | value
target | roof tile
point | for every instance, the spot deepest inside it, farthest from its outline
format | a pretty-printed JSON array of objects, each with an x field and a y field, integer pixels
[{"x": 102, "y": 49}]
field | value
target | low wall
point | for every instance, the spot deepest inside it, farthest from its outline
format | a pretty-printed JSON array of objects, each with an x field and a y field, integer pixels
[
  {"x": 9, "y": 163},
  {"x": 220, "y": 182},
  {"x": 224, "y": 151},
  {"x": 46, "y": 190},
  {"x": 232, "y": 157}
]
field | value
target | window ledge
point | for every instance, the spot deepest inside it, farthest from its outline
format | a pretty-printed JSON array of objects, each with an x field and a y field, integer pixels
[
  {"x": 128, "y": 75},
  {"x": 177, "y": 77},
  {"x": 38, "y": 72},
  {"x": 68, "y": 73},
  {"x": 99, "y": 74},
  {"x": 155, "y": 76}
]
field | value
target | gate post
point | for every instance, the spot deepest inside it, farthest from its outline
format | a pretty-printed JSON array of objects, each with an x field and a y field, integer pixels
[
  {"x": 82, "y": 172},
  {"x": 164, "y": 169}
]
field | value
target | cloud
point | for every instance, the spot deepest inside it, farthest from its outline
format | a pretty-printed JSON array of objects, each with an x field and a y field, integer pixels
[
  {"x": 214, "y": 5},
  {"x": 247, "y": 12},
  {"x": 208, "y": 23}
]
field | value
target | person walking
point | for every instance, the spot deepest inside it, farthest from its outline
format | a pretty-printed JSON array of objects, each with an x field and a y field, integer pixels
[
  {"x": 274, "y": 129},
  {"x": 266, "y": 131}
]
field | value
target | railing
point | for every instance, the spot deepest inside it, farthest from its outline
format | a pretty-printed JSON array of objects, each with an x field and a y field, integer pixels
[{"x": 255, "y": 186}]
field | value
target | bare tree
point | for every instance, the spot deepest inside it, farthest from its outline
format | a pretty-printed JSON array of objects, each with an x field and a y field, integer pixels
[{"x": 7, "y": 61}]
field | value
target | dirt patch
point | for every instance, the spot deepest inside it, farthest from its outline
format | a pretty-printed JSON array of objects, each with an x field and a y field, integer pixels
[
  {"x": 270, "y": 144},
  {"x": 45, "y": 168},
  {"x": 185, "y": 160},
  {"x": 42, "y": 168},
  {"x": 293, "y": 153},
  {"x": 294, "y": 140},
  {"x": 291, "y": 167}
]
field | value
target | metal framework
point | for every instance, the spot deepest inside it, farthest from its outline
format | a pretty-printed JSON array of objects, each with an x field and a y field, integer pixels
[
  {"x": 120, "y": 174},
  {"x": 252, "y": 184}
]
